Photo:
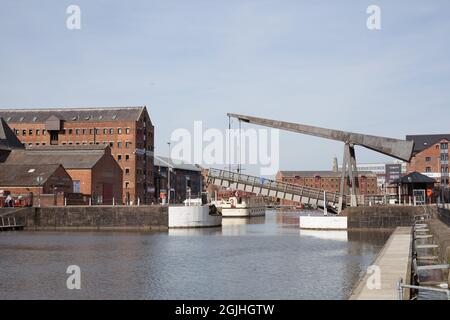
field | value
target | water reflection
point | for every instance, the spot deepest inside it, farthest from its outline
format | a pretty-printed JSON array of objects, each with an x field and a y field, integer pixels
[{"x": 258, "y": 258}]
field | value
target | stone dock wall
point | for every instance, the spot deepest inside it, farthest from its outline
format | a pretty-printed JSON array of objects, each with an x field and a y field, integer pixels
[{"x": 136, "y": 218}]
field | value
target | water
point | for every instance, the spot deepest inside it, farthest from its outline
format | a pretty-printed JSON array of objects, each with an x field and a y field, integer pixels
[{"x": 260, "y": 258}]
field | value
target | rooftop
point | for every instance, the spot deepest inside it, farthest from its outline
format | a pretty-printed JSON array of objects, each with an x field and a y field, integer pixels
[
  {"x": 70, "y": 157},
  {"x": 8, "y": 140},
  {"x": 175, "y": 164},
  {"x": 424, "y": 141},
  {"x": 90, "y": 114},
  {"x": 25, "y": 175},
  {"x": 414, "y": 177}
]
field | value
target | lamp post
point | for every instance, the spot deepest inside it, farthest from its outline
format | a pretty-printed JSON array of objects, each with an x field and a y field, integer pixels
[
  {"x": 168, "y": 177},
  {"x": 39, "y": 180}
]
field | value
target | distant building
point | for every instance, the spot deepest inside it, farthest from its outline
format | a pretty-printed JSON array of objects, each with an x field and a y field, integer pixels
[
  {"x": 183, "y": 177},
  {"x": 128, "y": 131},
  {"x": 386, "y": 172},
  {"x": 327, "y": 180},
  {"x": 430, "y": 156},
  {"x": 92, "y": 168}
]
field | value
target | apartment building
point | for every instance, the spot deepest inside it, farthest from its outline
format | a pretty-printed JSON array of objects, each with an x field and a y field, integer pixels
[{"x": 431, "y": 156}]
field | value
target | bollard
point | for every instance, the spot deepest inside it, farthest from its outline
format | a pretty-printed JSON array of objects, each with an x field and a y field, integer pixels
[{"x": 400, "y": 289}]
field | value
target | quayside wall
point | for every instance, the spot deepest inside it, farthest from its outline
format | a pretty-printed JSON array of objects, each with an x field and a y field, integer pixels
[{"x": 136, "y": 218}]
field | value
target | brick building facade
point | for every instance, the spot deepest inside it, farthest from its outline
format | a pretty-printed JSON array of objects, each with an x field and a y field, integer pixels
[
  {"x": 327, "y": 180},
  {"x": 128, "y": 131},
  {"x": 431, "y": 156},
  {"x": 183, "y": 177},
  {"x": 93, "y": 169}
]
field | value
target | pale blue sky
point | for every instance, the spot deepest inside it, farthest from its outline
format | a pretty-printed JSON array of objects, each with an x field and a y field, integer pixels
[{"x": 312, "y": 62}]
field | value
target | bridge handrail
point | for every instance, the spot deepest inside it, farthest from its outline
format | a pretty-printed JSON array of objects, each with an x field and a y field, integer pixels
[{"x": 285, "y": 186}]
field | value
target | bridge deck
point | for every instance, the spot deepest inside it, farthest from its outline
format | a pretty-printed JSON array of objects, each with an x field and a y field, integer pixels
[{"x": 275, "y": 189}]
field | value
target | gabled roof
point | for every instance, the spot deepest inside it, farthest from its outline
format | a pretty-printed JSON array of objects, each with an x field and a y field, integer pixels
[
  {"x": 175, "y": 164},
  {"x": 25, "y": 175},
  {"x": 414, "y": 177},
  {"x": 424, "y": 141},
  {"x": 8, "y": 140},
  {"x": 73, "y": 114},
  {"x": 70, "y": 157}
]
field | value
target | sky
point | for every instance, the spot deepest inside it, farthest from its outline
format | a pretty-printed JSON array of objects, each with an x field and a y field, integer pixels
[{"x": 311, "y": 62}]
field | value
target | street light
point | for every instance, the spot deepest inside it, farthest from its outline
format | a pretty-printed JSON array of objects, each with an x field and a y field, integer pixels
[
  {"x": 39, "y": 180},
  {"x": 168, "y": 176}
]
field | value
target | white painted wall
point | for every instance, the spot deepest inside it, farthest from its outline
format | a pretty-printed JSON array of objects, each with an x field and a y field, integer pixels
[
  {"x": 323, "y": 223},
  {"x": 192, "y": 217}
]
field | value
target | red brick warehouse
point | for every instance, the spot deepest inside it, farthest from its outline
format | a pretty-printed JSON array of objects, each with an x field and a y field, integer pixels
[{"x": 128, "y": 131}]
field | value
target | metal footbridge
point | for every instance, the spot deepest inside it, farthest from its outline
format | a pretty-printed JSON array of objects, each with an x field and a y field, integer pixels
[{"x": 275, "y": 189}]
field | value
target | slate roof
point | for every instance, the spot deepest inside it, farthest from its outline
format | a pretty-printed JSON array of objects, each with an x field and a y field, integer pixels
[
  {"x": 422, "y": 142},
  {"x": 73, "y": 114},
  {"x": 70, "y": 157},
  {"x": 8, "y": 140},
  {"x": 414, "y": 177},
  {"x": 165, "y": 162},
  {"x": 25, "y": 175}
]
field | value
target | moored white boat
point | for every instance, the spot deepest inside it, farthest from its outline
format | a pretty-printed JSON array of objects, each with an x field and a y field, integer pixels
[{"x": 241, "y": 205}]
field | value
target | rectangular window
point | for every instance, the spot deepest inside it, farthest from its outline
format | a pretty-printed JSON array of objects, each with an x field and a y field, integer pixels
[
  {"x": 76, "y": 186},
  {"x": 70, "y": 131},
  {"x": 127, "y": 130},
  {"x": 119, "y": 130},
  {"x": 24, "y": 132},
  {"x": 428, "y": 169},
  {"x": 127, "y": 171},
  {"x": 119, "y": 144},
  {"x": 119, "y": 157},
  {"x": 105, "y": 131},
  {"x": 30, "y": 132},
  {"x": 127, "y": 144},
  {"x": 77, "y": 132},
  {"x": 111, "y": 131},
  {"x": 127, "y": 157},
  {"x": 444, "y": 146},
  {"x": 428, "y": 159},
  {"x": 111, "y": 144},
  {"x": 38, "y": 132},
  {"x": 127, "y": 184}
]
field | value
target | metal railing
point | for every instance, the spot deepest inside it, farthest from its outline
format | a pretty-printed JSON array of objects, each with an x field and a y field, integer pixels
[
  {"x": 401, "y": 286},
  {"x": 308, "y": 192}
]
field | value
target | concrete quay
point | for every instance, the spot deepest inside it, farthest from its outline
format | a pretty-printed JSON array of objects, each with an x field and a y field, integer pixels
[{"x": 394, "y": 263}]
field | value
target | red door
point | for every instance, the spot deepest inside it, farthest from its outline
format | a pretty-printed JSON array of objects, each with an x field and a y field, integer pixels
[{"x": 108, "y": 193}]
